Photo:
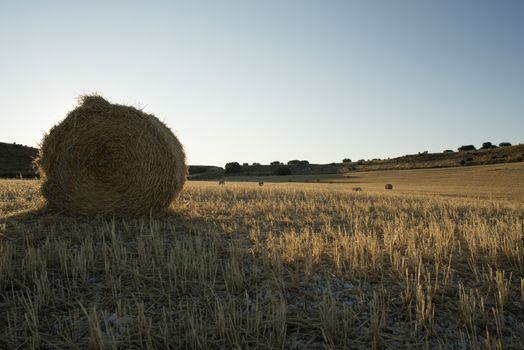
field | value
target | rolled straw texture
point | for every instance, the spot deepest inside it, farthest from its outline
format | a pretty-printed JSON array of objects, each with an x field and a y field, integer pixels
[{"x": 110, "y": 159}]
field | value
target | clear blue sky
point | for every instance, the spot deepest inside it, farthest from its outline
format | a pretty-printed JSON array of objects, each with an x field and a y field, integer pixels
[{"x": 257, "y": 81}]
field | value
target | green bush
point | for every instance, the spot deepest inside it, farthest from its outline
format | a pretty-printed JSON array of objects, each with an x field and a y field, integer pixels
[
  {"x": 284, "y": 170},
  {"x": 233, "y": 167},
  {"x": 467, "y": 148}
]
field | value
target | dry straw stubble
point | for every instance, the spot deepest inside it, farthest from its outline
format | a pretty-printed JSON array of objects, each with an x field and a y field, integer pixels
[{"x": 110, "y": 159}]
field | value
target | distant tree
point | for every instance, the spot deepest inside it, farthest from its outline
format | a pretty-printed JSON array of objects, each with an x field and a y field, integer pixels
[
  {"x": 504, "y": 144},
  {"x": 448, "y": 151},
  {"x": 467, "y": 148},
  {"x": 245, "y": 164},
  {"x": 256, "y": 164},
  {"x": 303, "y": 162},
  {"x": 276, "y": 162},
  {"x": 196, "y": 170},
  {"x": 346, "y": 160},
  {"x": 293, "y": 162},
  {"x": 233, "y": 167},
  {"x": 486, "y": 145},
  {"x": 284, "y": 170}
]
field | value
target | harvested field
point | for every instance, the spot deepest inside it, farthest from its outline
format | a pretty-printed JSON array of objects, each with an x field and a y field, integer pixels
[
  {"x": 278, "y": 266},
  {"x": 498, "y": 181}
]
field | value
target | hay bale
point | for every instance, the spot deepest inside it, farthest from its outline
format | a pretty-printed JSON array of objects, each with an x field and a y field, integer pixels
[
  {"x": 111, "y": 159},
  {"x": 389, "y": 187}
]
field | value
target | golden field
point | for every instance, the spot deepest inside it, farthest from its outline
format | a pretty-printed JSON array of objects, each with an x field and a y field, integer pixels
[
  {"x": 436, "y": 263},
  {"x": 496, "y": 181}
]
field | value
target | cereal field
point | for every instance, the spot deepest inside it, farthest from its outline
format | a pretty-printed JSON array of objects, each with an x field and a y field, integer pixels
[{"x": 279, "y": 266}]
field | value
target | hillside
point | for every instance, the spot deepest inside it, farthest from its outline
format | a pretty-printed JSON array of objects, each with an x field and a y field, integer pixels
[
  {"x": 422, "y": 160},
  {"x": 16, "y": 160}
]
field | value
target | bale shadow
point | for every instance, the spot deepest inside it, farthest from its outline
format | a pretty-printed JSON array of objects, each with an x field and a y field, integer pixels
[{"x": 44, "y": 223}]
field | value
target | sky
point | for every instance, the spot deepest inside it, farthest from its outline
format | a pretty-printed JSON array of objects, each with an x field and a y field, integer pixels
[{"x": 259, "y": 81}]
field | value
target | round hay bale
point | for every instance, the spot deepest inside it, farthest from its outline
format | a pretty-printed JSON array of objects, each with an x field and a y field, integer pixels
[{"x": 106, "y": 158}]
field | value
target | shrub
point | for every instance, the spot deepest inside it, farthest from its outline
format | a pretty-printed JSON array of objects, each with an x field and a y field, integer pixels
[
  {"x": 196, "y": 170},
  {"x": 284, "y": 170},
  {"x": 486, "y": 145},
  {"x": 448, "y": 151},
  {"x": 293, "y": 162},
  {"x": 346, "y": 160},
  {"x": 276, "y": 162},
  {"x": 467, "y": 148},
  {"x": 233, "y": 167},
  {"x": 303, "y": 162},
  {"x": 504, "y": 144}
]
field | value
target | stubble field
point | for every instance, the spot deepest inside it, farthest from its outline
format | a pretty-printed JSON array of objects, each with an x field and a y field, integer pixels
[{"x": 277, "y": 266}]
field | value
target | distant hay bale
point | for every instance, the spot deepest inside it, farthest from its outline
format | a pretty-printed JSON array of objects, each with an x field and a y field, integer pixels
[
  {"x": 110, "y": 159},
  {"x": 222, "y": 182},
  {"x": 389, "y": 186},
  {"x": 357, "y": 189},
  {"x": 261, "y": 183}
]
